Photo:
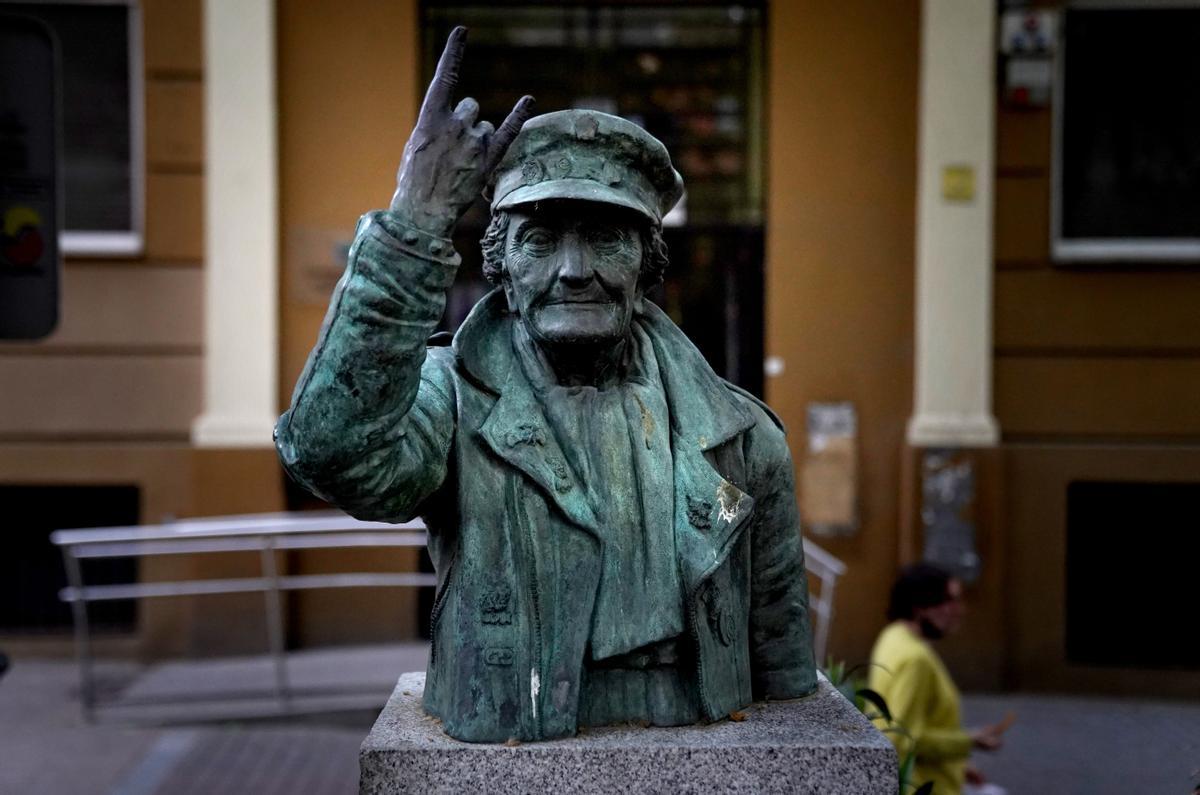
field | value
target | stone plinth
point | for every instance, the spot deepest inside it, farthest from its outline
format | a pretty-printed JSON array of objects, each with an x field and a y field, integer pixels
[{"x": 818, "y": 744}]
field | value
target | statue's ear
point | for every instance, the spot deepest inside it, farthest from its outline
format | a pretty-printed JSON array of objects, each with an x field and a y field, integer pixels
[{"x": 509, "y": 295}]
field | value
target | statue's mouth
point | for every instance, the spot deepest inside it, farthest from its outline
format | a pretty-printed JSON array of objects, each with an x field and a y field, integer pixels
[{"x": 583, "y": 300}]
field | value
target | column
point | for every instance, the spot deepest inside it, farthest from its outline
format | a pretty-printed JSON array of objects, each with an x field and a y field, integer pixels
[
  {"x": 240, "y": 226},
  {"x": 953, "y": 362}
]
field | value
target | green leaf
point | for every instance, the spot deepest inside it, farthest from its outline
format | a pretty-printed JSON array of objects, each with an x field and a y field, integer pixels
[
  {"x": 876, "y": 700},
  {"x": 835, "y": 671},
  {"x": 866, "y": 667},
  {"x": 906, "y": 767}
]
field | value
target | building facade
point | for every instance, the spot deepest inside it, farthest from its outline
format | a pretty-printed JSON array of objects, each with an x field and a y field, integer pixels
[{"x": 270, "y": 127}]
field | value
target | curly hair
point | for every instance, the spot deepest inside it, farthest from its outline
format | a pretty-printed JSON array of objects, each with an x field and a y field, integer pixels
[{"x": 654, "y": 251}]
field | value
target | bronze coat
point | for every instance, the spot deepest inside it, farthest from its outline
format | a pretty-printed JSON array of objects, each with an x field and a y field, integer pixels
[{"x": 388, "y": 428}]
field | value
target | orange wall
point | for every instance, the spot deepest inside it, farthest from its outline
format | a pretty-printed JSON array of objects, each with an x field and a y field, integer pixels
[
  {"x": 841, "y": 166},
  {"x": 1097, "y": 353},
  {"x": 109, "y": 397},
  {"x": 348, "y": 97}
]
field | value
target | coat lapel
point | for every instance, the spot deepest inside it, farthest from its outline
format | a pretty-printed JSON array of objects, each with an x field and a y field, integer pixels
[
  {"x": 710, "y": 514},
  {"x": 710, "y": 511},
  {"x": 515, "y": 428},
  {"x": 517, "y": 431}
]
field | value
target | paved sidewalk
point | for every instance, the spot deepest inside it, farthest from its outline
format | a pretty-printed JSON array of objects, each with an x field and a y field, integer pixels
[
  {"x": 195, "y": 746},
  {"x": 1070, "y": 745},
  {"x": 44, "y": 747},
  {"x": 1060, "y": 745}
]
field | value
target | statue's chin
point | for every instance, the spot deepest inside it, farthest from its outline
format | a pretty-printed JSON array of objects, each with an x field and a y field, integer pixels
[{"x": 585, "y": 325}]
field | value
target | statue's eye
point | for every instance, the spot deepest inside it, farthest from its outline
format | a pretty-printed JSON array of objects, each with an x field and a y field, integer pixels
[
  {"x": 606, "y": 239},
  {"x": 538, "y": 242}
]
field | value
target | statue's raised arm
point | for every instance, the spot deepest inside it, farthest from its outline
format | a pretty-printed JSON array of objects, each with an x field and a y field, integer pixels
[{"x": 370, "y": 425}]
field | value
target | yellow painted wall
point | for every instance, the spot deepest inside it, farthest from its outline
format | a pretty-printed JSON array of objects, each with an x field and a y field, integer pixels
[
  {"x": 841, "y": 168},
  {"x": 348, "y": 97}
]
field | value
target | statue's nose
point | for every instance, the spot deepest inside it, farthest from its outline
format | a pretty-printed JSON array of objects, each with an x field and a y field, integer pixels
[{"x": 575, "y": 268}]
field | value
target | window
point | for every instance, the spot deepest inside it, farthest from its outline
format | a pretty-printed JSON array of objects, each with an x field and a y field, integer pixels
[{"x": 102, "y": 165}]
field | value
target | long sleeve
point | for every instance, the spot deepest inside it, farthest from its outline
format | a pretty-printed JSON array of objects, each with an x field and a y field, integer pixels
[
  {"x": 372, "y": 416},
  {"x": 911, "y": 691},
  {"x": 782, "y": 664}
]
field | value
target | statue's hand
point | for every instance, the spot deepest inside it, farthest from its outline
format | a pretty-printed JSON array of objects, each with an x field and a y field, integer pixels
[{"x": 449, "y": 155}]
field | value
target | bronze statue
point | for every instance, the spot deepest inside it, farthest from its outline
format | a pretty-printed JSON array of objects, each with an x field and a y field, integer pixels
[{"x": 613, "y": 526}]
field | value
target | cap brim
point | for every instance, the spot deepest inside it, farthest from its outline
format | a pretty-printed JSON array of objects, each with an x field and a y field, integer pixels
[{"x": 577, "y": 189}]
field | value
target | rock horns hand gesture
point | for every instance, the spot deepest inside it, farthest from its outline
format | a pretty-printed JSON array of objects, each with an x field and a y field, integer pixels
[{"x": 449, "y": 155}]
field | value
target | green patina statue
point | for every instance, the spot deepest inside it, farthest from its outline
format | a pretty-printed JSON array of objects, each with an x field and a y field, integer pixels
[{"x": 614, "y": 526}]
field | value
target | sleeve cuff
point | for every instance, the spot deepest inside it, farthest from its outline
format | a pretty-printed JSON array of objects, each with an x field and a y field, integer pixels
[{"x": 396, "y": 233}]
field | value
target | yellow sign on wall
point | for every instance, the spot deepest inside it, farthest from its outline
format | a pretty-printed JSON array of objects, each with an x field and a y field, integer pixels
[{"x": 958, "y": 183}]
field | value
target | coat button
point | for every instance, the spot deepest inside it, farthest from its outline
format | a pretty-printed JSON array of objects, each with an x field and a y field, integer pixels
[{"x": 562, "y": 478}]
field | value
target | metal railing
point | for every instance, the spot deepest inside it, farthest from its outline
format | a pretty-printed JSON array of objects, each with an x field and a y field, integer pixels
[
  {"x": 268, "y": 534},
  {"x": 826, "y": 568}
]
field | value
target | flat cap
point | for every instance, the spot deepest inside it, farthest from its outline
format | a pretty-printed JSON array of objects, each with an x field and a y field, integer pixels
[{"x": 588, "y": 156}]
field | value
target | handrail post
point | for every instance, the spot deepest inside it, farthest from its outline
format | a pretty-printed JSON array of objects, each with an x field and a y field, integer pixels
[
  {"x": 274, "y": 617},
  {"x": 826, "y": 612},
  {"x": 83, "y": 644}
]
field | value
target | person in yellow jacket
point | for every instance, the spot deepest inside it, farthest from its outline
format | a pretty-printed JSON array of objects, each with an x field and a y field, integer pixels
[{"x": 926, "y": 604}]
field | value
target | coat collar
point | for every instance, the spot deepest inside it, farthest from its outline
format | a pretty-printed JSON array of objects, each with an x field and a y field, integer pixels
[
  {"x": 703, "y": 411},
  {"x": 710, "y": 511},
  {"x": 516, "y": 429}
]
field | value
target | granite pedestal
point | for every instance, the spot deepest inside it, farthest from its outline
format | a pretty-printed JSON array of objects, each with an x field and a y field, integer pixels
[{"x": 817, "y": 744}]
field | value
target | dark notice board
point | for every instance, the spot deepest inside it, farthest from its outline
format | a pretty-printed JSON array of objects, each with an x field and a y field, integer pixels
[{"x": 1130, "y": 145}]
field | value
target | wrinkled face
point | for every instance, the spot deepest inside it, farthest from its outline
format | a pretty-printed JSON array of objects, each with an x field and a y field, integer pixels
[{"x": 572, "y": 271}]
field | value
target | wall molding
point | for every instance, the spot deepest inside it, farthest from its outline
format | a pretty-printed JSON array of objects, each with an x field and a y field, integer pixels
[{"x": 953, "y": 430}]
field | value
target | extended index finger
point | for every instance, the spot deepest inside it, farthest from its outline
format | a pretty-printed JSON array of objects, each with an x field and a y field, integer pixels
[{"x": 445, "y": 77}]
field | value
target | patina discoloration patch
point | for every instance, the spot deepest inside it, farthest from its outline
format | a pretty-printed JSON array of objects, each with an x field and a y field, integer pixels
[{"x": 730, "y": 498}]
